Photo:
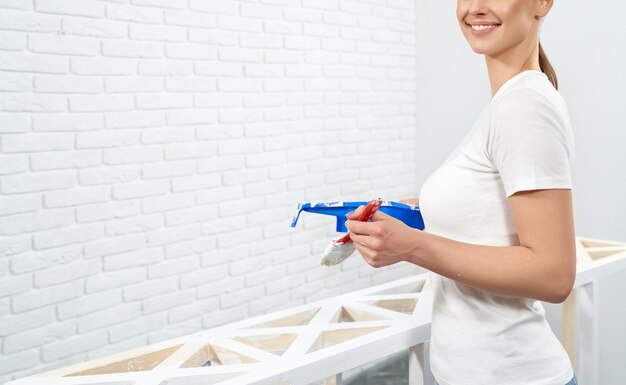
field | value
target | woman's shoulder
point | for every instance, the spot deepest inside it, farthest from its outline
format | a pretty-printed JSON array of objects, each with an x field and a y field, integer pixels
[{"x": 529, "y": 94}]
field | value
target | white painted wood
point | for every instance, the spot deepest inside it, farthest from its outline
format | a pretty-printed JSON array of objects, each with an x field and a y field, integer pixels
[{"x": 323, "y": 339}]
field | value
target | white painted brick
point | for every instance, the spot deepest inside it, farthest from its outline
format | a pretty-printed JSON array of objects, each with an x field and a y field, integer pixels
[
  {"x": 240, "y": 115},
  {"x": 35, "y": 221},
  {"x": 204, "y": 276},
  {"x": 232, "y": 208},
  {"x": 245, "y": 176},
  {"x": 109, "y": 210},
  {"x": 36, "y": 142},
  {"x": 304, "y": 15},
  {"x": 214, "y": 37},
  {"x": 105, "y": 139},
  {"x": 176, "y": 4},
  {"x": 174, "y": 234},
  {"x": 224, "y": 225},
  {"x": 13, "y": 164},
  {"x": 69, "y": 272},
  {"x": 271, "y": 303},
  {"x": 228, "y": 7},
  {"x": 165, "y": 68},
  {"x": 67, "y": 122},
  {"x": 37, "y": 260},
  {"x": 264, "y": 188},
  {"x": 93, "y": 28},
  {"x": 12, "y": 41},
  {"x": 67, "y": 235},
  {"x": 194, "y": 183},
  {"x": 108, "y": 246},
  {"x": 167, "y": 203},
  {"x": 237, "y": 237},
  {"x": 177, "y": 250},
  {"x": 108, "y": 316},
  {"x": 156, "y": 33},
  {"x": 133, "y": 155},
  {"x": 135, "y": 85},
  {"x": 77, "y": 197},
  {"x": 65, "y": 160},
  {"x": 173, "y": 267},
  {"x": 63, "y": 45},
  {"x": 138, "y": 326},
  {"x": 141, "y": 189},
  {"x": 282, "y": 85},
  {"x": 177, "y": 118},
  {"x": 191, "y": 51},
  {"x": 34, "y": 103},
  {"x": 238, "y": 54},
  {"x": 114, "y": 279},
  {"x": 71, "y": 7},
  {"x": 101, "y": 103},
  {"x": 190, "y": 150},
  {"x": 232, "y": 162},
  {"x": 133, "y": 259},
  {"x": 14, "y": 123},
  {"x": 236, "y": 147},
  {"x": 220, "y": 286},
  {"x": 16, "y": 82},
  {"x": 19, "y": 204},
  {"x": 168, "y": 135},
  {"x": 15, "y": 323},
  {"x": 88, "y": 304},
  {"x": 282, "y": 27},
  {"x": 190, "y": 19},
  {"x": 302, "y": 42},
  {"x": 236, "y": 313},
  {"x": 167, "y": 301},
  {"x": 218, "y": 69},
  {"x": 224, "y": 130},
  {"x": 41, "y": 181},
  {"x": 246, "y": 295},
  {"x": 195, "y": 309},
  {"x": 107, "y": 175},
  {"x": 15, "y": 362},
  {"x": 150, "y": 287},
  {"x": 192, "y": 215},
  {"x": 158, "y": 102},
  {"x": 14, "y": 245},
  {"x": 168, "y": 169},
  {"x": 10, "y": 286},
  {"x": 16, "y": 4},
  {"x": 28, "y": 21},
  {"x": 132, "y": 49},
  {"x": 134, "y": 14},
  {"x": 264, "y": 70},
  {"x": 134, "y": 224},
  {"x": 283, "y": 114},
  {"x": 39, "y": 298},
  {"x": 103, "y": 66},
  {"x": 260, "y": 11},
  {"x": 265, "y": 100},
  {"x": 135, "y": 119},
  {"x": 264, "y": 275}
]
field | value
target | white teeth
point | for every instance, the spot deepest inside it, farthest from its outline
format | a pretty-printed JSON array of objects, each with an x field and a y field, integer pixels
[{"x": 481, "y": 27}]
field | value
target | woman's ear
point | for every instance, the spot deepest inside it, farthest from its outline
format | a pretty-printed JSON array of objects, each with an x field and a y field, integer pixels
[{"x": 543, "y": 8}]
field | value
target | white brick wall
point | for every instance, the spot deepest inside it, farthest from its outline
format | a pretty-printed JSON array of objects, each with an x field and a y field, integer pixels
[{"x": 152, "y": 153}]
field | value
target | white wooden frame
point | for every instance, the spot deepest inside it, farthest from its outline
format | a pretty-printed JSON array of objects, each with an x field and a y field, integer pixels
[{"x": 323, "y": 339}]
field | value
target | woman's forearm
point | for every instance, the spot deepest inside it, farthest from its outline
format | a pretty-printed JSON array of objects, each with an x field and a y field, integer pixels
[{"x": 508, "y": 270}]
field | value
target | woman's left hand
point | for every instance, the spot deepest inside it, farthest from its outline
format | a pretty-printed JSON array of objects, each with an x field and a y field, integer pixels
[{"x": 384, "y": 241}]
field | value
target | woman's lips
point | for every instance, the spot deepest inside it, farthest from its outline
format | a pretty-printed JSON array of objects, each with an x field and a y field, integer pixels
[{"x": 482, "y": 29}]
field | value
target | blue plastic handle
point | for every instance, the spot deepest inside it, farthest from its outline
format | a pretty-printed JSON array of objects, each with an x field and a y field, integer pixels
[{"x": 408, "y": 214}]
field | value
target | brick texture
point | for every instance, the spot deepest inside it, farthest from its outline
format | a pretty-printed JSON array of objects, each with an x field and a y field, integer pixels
[{"x": 153, "y": 152}]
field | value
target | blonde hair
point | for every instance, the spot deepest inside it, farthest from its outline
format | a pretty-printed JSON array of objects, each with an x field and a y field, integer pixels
[{"x": 545, "y": 65}]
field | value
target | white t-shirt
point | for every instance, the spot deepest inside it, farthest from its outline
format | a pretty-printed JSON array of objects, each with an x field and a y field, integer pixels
[{"x": 521, "y": 141}]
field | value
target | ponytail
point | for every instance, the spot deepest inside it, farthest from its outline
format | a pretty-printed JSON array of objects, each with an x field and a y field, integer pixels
[{"x": 547, "y": 68}]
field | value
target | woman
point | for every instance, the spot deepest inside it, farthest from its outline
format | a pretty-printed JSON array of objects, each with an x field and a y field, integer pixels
[{"x": 498, "y": 212}]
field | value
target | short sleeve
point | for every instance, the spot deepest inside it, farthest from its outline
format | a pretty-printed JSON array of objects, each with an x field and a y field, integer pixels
[{"x": 531, "y": 144}]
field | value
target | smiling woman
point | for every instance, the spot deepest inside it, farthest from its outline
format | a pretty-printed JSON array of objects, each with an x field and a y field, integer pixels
[{"x": 499, "y": 234}]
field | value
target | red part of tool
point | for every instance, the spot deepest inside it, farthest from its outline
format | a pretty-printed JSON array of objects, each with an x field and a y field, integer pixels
[{"x": 365, "y": 216}]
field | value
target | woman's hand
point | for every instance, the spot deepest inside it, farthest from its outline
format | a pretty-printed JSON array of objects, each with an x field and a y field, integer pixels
[
  {"x": 410, "y": 201},
  {"x": 384, "y": 241}
]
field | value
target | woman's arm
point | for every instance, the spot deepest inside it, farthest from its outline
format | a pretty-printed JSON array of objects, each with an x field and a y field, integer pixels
[{"x": 542, "y": 267}]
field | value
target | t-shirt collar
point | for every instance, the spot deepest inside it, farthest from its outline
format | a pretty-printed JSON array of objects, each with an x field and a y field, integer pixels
[{"x": 512, "y": 80}]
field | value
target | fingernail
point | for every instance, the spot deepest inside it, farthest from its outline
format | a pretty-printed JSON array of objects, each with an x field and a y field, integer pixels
[{"x": 348, "y": 214}]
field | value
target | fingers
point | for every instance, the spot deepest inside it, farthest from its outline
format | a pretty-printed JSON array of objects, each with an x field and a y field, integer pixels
[
  {"x": 410, "y": 201},
  {"x": 355, "y": 214}
]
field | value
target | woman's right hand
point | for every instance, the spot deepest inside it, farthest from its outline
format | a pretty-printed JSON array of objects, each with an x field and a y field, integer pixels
[{"x": 410, "y": 201}]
